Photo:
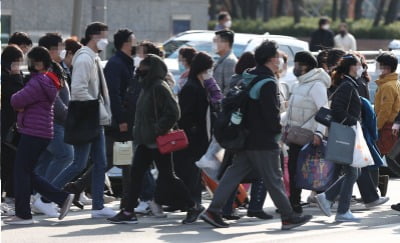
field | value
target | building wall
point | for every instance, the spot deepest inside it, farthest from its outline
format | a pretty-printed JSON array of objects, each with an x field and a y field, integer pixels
[{"x": 149, "y": 19}]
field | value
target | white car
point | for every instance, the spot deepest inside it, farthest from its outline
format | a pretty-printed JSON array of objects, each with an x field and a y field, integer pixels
[{"x": 202, "y": 40}]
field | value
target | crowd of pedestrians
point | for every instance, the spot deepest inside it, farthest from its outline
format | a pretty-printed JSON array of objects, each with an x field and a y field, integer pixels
[{"x": 137, "y": 100}]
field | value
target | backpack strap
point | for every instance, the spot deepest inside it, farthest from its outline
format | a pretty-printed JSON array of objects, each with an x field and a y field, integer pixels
[{"x": 255, "y": 90}]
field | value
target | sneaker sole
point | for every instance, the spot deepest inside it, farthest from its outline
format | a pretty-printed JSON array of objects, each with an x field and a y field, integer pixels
[
  {"x": 347, "y": 220},
  {"x": 327, "y": 213},
  {"x": 122, "y": 222},
  {"x": 377, "y": 204},
  {"x": 291, "y": 226},
  {"x": 211, "y": 222},
  {"x": 64, "y": 211},
  {"x": 197, "y": 218}
]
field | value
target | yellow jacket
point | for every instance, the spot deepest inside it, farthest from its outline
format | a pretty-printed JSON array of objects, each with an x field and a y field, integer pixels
[{"x": 387, "y": 99}]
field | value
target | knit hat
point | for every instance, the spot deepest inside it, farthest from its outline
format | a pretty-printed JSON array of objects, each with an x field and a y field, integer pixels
[{"x": 305, "y": 57}]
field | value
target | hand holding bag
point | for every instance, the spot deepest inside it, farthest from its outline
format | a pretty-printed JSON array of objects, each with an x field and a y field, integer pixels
[
  {"x": 362, "y": 156},
  {"x": 174, "y": 140},
  {"x": 340, "y": 146}
]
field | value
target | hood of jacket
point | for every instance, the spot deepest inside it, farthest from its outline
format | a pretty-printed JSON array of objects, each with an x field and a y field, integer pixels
[
  {"x": 387, "y": 78},
  {"x": 84, "y": 50},
  {"x": 316, "y": 74},
  {"x": 157, "y": 72},
  {"x": 263, "y": 75}
]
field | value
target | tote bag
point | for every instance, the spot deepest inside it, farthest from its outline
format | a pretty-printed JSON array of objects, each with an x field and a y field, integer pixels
[
  {"x": 340, "y": 146},
  {"x": 362, "y": 156}
]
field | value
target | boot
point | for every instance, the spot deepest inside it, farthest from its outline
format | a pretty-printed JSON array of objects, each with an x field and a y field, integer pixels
[{"x": 383, "y": 184}]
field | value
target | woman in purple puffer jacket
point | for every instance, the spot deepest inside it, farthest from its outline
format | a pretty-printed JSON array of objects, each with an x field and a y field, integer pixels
[{"x": 34, "y": 104}]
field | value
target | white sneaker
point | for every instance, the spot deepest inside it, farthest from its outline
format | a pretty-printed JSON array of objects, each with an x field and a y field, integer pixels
[
  {"x": 7, "y": 209},
  {"x": 156, "y": 210},
  {"x": 84, "y": 199},
  {"x": 346, "y": 217},
  {"x": 143, "y": 208},
  {"x": 379, "y": 201},
  {"x": 46, "y": 208},
  {"x": 103, "y": 213},
  {"x": 108, "y": 199},
  {"x": 324, "y": 204}
]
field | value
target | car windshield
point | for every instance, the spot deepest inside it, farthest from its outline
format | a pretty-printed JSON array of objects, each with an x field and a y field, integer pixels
[{"x": 172, "y": 48}]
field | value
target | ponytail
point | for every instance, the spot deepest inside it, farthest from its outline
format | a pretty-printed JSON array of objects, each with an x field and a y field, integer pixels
[{"x": 58, "y": 71}]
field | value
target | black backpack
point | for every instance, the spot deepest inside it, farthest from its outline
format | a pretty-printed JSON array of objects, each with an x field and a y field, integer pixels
[{"x": 229, "y": 135}]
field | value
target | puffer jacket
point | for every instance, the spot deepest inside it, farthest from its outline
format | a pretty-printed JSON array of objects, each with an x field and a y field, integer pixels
[
  {"x": 309, "y": 94},
  {"x": 387, "y": 99},
  {"x": 36, "y": 100},
  {"x": 346, "y": 103},
  {"x": 155, "y": 94}
]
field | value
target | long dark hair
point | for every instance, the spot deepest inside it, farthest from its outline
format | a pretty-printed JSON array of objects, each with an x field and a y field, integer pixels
[
  {"x": 11, "y": 53},
  {"x": 343, "y": 68},
  {"x": 41, "y": 54},
  {"x": 200, "y": 63},
  {"x": 246, "y": 61}
]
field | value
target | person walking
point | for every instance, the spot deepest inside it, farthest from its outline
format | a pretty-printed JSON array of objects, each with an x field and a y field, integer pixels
[
  {"x": 224, "y": 21},
  {"x": 261, "y": 152},
  {"x": 11, "y": 82},
  {"x": 309, "y": 95},
  {"x": 344, "y": 40},
  {"x": 87, "y": 78},
  {"x": 323, "y": 38},
  {"x": 156, "y": 113},
  {"x": 34, "y": 104},
  {"x": 225, "y": 66},
  {"x": 345, "y": 109}
]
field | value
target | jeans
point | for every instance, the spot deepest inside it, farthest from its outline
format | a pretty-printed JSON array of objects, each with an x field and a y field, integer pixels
[
  {"x": 343, "y": 187},
  {"x": 26, "y": 179},
  {"x": 97, "y": 152},
  {"x": 56, "y": 157},
  {"x": 268, "y": 164},
  {"x": 166, "y": 182}
]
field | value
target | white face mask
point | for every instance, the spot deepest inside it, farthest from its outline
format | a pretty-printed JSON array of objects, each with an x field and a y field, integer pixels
[
  {"x": 208, "y": 75},
  {"x": 325, "y": 27},
  {"x": 102, "y": 44},
  {"x": 137, "y": 61},
  {"x": 360, "y": 71},
  {"x": 63, "y": 54},
  {"x": 228, "y": 24}
]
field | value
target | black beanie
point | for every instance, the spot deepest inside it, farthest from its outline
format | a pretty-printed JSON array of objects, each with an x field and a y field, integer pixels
[{"x": 305, "y": 57}]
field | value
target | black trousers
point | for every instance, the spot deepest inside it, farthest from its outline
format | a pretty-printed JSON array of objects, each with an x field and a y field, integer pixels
[
  {"x": 7, "y": 170},
  {"x": 295, "y": 193},
  {"x": 167, "y": 182}
]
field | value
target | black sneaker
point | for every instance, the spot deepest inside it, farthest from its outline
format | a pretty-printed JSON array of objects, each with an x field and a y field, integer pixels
[
  {"x": 213, "y": 219},
  {"x": 295, "y": 221},
  {"x": 122, "y": 218},
  {"x": 232, "y": 216},
  {"x": 193, "y": 214},
  {"x": 259, "y": 214},
  {"x": 396, "y": 207}
]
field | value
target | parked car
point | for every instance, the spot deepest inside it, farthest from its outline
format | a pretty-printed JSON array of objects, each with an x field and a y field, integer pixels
[{"x": 202, "y": 40}]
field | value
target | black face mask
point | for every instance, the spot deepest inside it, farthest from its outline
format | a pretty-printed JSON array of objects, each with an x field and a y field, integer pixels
[
  {"x": 142, "y": 73},
  {"x": 342, "y": 33},
  {"x": 297, "y": 72},
  {"x": 133, "y": 51}
]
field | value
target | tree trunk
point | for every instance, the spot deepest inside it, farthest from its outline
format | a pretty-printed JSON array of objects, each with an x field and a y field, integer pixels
[
  {"x": 244, "y": 8},
  {"x": 212, "y": 11},
  {"x": 343, "y": 10},
  {"x": 334, "y": 10},
  {"x": 267, "y": 10},
  {"x": 392, "y": 12},
  {"x": 281, "y": 8},
  {"x": 379, "y": 12},
  {"x": 235, "y": 10},
  {"x": 296, "y": 10},
  {"x": 358, "y": 9},
  {"x": 253, "y": 6}
]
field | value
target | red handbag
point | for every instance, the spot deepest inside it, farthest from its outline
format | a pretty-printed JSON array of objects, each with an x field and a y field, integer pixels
[{"x": 173, "y": 141}]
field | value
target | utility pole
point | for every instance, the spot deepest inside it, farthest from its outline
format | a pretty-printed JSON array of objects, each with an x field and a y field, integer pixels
[
  {"x": 99, "y": 11},
  {"x": 76, "y": 18}
]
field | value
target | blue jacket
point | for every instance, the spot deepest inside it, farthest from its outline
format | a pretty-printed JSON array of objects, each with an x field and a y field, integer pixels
[{"x": 370, "y": 130}]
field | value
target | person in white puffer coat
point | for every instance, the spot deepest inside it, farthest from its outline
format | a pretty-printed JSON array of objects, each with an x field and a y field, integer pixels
[{"x": 308, "y": 96}]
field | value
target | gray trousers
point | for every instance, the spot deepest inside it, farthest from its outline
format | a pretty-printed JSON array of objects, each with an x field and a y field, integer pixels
[{"x": 267, "y": 163}]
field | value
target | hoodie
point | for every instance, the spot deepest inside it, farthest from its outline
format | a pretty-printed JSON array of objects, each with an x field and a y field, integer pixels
[
  {"x": 155, "y": 94},
  {"x": 308, "y": 96},
  {"x": 87, "y": 78}
]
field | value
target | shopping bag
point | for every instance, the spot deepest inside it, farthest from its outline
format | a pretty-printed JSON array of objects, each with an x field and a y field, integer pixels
[
  {"x": 211, "y": 161},
  {"x": 340, "y": 145},
  {"x": 362, "y": 156},
  {"x": 122, "y": 153},
  {"x": 313, "y": 171}
]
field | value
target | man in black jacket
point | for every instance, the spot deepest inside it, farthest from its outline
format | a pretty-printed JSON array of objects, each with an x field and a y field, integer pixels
[
  {"x": 323, "y": 38},
  {"x": 262, "y": 120}
]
